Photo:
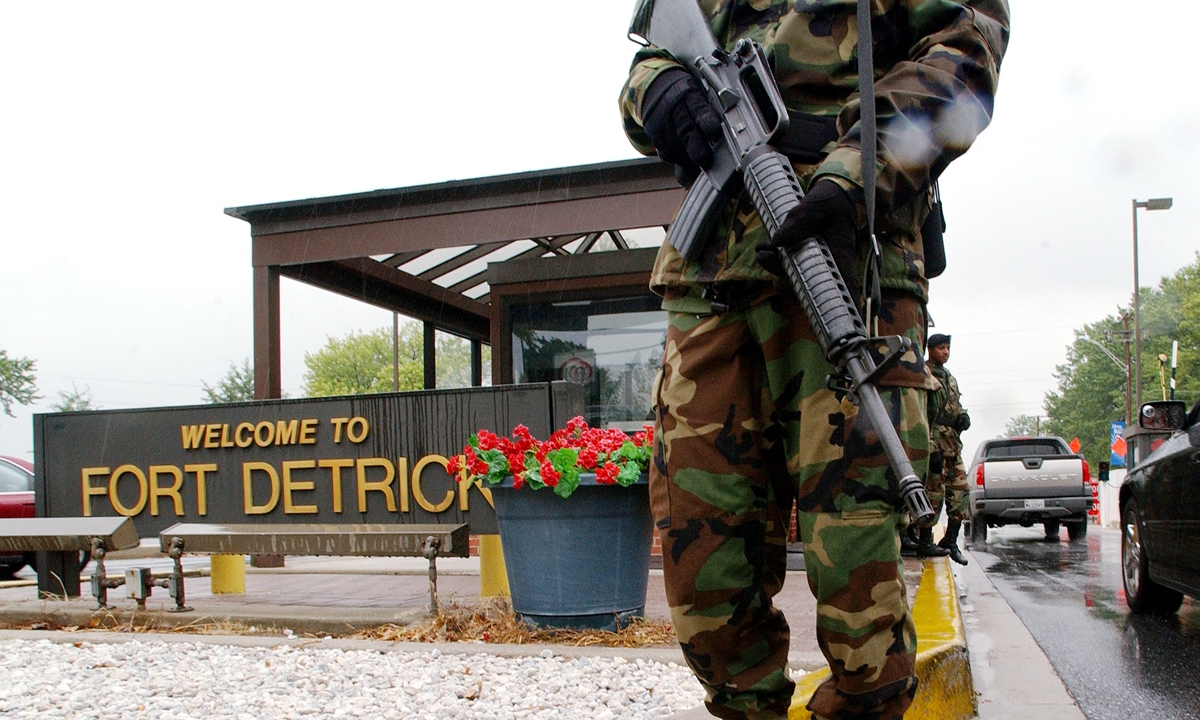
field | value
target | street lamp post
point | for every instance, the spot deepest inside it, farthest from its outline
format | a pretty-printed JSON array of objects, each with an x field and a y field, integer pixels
[{"x": 1153, "y": 204}]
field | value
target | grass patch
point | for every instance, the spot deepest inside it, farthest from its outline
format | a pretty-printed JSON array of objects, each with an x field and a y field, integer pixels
[{"x": 493, "y": 621}]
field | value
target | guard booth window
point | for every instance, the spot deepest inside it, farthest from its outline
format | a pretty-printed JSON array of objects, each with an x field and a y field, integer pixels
[{"x": 610, "y": 346}]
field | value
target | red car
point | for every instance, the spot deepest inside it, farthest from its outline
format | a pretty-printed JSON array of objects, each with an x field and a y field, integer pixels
[{"x": 16, "y": 501}]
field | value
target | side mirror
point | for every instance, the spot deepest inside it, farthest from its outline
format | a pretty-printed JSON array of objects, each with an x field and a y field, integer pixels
[
  {"x": 1163, "y": 415},
  {"x": 1102, "y": 472}
]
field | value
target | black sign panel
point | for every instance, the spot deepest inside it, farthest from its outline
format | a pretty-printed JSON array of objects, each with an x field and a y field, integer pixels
[{"x": 355, "y": 459}]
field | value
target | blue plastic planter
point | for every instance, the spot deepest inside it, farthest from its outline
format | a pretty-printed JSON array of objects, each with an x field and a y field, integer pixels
[{"x": 577, "y": 562}]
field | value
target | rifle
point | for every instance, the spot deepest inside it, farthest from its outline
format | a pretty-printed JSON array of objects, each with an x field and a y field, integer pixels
[{"x": 742, "y": 88}]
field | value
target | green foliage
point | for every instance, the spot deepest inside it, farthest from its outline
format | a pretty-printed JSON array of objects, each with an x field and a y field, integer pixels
[
  {"x": 1022, "y": 425},
  {"x": 362, "y": 363},
  {"x": 74, "y": 401},
  {"x": 563, "y": 460},
  {"x": 1091, "y": 386},
  {"x": 236, "y": 386},
  {"x": 18, "y": 384}
]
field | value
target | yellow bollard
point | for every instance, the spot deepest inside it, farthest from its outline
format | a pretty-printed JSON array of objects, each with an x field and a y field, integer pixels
[
  {"x": 493, "y": 578},
  {"x": 228, "y": 574}
]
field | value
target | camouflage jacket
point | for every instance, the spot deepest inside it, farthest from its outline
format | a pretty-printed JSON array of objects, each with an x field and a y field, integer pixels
[
  {"x": 937, "y": 65},
  {"x": 944, "y": 404}
]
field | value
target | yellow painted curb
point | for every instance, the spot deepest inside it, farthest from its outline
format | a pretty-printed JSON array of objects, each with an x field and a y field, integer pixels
[{"x": 945, "y": 691}]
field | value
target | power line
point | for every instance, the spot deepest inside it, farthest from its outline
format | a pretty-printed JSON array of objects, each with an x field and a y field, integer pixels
[
  {"x": 111, "y": 380},
  {"x": 1015, "y": 331}
]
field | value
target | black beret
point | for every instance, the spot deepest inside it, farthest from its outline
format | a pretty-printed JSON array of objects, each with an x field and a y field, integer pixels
[{"x": 938, "y": 339}]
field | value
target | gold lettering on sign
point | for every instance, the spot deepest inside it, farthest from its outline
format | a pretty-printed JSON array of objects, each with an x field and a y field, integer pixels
[
  {"x": 335, "y": 468},
  {"x": 201, "y": 484},
  {"x": 384, "y": 486},
  {"x": 308, "y": 431},
  {"x": 248, "y": 470},
  {"x": 192, "y": 434},
  {"x": 357, "y": 436},
  {"x": 286, "y": 432},
  {"x": 86, "y": 475},
  {"x": 419, "y": 495},
  {"x": 142, "y": 490},
  {"x": 290, "y": 485},
  {"x": 262, "y": 439},
  {"x": 243, "y": 435},
  {"x": 157, "y": 491},
  {"x": 402, "y": 482}
]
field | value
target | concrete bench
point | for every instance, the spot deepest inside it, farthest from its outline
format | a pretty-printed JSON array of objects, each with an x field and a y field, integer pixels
[
  {"x": 372, "y": 540},
  {"x": 59, "y": 542}
]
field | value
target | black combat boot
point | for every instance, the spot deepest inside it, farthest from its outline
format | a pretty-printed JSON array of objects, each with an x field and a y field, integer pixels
[
  {"x": 908, "y": 541},
  {"x": 950, "y": 541},
  {"x": 925, "y": 546}
]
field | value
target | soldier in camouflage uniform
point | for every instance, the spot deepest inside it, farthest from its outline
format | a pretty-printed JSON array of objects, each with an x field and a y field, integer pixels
[
  {"x": 745, "y": 422},
  {"x": 947, "y": 480}
]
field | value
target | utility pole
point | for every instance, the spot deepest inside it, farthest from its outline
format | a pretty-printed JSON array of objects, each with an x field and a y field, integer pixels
[
  {"x": 1125, "y": 336},
  {"x": 1174, "y": 364},
  {"x": 1152, "y": 204},
  {"x": 1128, "y": 389}
]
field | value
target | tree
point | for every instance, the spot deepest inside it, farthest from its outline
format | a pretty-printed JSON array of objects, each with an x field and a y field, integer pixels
[
  {"x": 18, "y": 384},
  {"x": 1091, "y": 385},
  {"x": 362, "y": 363},
  {"x": 74, "y": 401},
  {"x": 236, "y": 386},
  {"x": 1022, "y": 425}
]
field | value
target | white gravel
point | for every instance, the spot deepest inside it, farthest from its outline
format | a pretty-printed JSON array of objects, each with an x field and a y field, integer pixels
[{"x": 44, "y": 679}]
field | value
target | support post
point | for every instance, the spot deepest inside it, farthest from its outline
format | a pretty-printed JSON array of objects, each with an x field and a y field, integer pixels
[
  {"x": 476, "y": 363},
  {"x": 430, "y": 337},
  {"x": 267, "y": 383},
  {"x": 228, "y": 574},
  {"x": 493, "y": 577}
]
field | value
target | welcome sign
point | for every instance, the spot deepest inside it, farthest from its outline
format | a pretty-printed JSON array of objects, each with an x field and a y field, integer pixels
[{"x": 353, "y": 459}]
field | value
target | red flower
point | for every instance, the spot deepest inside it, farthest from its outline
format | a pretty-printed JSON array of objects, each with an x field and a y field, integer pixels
[
  {"x": 588, "y": 457},
  {"x": 594, "y": 448},
  {"x": 607, "y": 474},
  {"x": 550, "y": 476},
  {"x": 487, "y": 440}
]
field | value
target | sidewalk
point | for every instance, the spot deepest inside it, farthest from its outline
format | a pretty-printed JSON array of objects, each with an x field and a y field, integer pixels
[
  {"x": 335, "y": 596},
  {"x": 1013, "y": 678}
]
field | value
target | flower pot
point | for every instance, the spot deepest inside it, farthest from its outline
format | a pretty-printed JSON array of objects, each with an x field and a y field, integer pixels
[{"x": 577, "y": 562}]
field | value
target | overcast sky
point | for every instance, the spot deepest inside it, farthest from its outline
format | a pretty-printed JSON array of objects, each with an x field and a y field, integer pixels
[{"x": 129, "y": 127}]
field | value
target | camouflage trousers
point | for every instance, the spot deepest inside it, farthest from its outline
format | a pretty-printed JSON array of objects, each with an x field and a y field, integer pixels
[
  {"x": 949, "y": 487},
  {"x": 745, "y": 426}
]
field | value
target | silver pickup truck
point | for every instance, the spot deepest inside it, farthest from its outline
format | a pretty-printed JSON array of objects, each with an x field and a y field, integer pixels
[{"x": 1023, "y": 481}]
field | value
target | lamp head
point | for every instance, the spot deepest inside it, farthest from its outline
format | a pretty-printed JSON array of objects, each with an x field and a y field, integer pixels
[{"x": 1157, "y": 204}]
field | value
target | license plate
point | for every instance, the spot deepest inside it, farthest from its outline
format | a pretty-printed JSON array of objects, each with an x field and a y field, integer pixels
[{"x": 1035, "y": 504}]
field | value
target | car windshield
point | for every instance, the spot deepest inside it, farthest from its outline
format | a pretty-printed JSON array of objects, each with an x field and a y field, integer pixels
[
  {"x": 13, "y": 479},
  {"x": 1020, "y": 450}
]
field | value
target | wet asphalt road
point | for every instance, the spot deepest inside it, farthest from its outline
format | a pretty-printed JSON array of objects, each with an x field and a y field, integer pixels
[{"x": 1069, "y": 595}]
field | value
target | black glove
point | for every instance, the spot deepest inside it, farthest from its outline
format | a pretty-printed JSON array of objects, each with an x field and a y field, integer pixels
[
  {"x": 962, "y": 422},
  {"x": 829, "y": 214},
  {"x": 681, "y": 122},
  {"x": 936, "y": 462}
]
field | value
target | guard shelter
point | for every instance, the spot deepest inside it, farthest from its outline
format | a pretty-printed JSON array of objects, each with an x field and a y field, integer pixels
[{"x": 550, "y": 268}]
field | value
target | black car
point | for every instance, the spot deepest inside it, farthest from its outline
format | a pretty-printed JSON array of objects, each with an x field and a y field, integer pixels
[{"x": 1160, "y": 508}]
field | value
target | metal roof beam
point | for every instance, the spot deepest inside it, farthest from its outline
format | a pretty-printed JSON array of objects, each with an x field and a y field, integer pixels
[{"x": 377, "y": 284}]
